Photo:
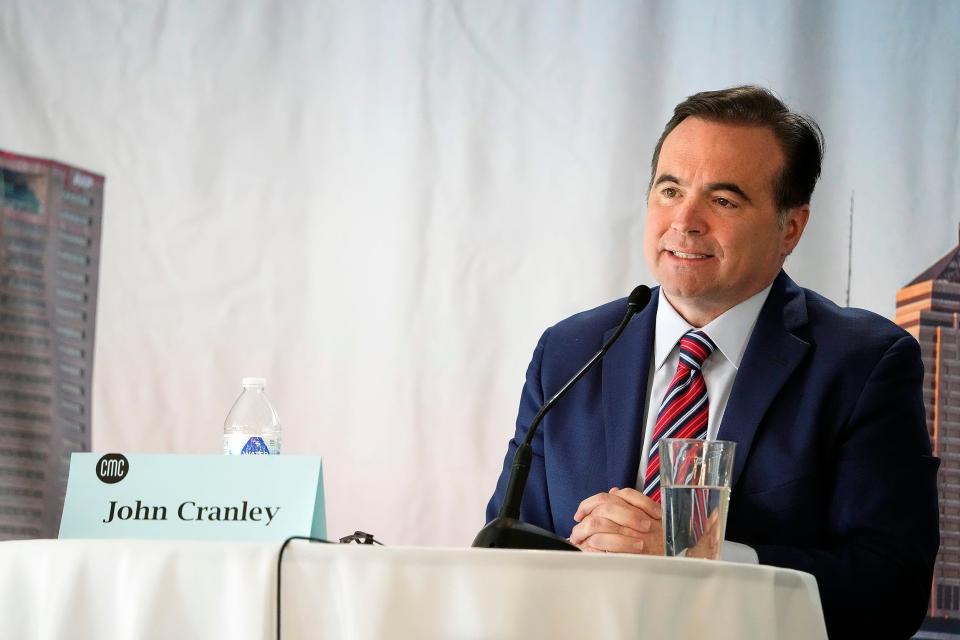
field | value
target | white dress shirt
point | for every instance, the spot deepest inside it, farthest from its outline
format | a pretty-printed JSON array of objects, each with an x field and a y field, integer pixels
[{"x": 730, "y": 331}]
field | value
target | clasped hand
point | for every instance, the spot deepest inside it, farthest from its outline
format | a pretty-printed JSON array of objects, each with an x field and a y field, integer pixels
[{"x": 620, "y": 520}]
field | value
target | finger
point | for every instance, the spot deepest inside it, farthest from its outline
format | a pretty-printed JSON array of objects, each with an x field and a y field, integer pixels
[
  {"x": 625, "y": 515},
  {"x": 713, "y": 526},
  {"x": 711, "y": 549},
  {"x": 587, "y": 505},
  {"x": 613, "y": 543},
  {"x": 591, "y": 503},
  {"x": 653, "y": 540},
  {"x": 704, "y": 548},
  {"x": 594, "y": 524},
  {"x": 637, "y": 499}
]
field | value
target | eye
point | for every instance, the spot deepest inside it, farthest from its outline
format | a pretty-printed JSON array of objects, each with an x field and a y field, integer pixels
[
  {"x": 726, "y": 204},
  {"x": 669, "y": 192}
]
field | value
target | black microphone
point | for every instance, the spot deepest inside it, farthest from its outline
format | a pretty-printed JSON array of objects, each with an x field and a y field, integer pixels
[{"x": 507, "y": 531}]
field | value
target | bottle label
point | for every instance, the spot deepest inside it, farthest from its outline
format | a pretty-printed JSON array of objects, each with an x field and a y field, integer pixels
[{"x": 242, "y": 444}]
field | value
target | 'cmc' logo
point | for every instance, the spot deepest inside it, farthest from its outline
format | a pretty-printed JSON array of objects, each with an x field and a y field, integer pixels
[{"x": 112, "y": 468}]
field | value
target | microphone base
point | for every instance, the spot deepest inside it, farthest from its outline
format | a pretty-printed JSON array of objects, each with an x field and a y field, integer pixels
[{"x": 510, "y": 533}]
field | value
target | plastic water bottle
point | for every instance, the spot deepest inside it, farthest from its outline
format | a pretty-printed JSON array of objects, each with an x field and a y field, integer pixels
[{"x": 252, "y": 426}]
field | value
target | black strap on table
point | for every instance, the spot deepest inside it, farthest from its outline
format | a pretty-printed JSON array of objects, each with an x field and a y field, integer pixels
[
  {"x": 358, "y": 536},
  {"x": 283, "y": 548}
]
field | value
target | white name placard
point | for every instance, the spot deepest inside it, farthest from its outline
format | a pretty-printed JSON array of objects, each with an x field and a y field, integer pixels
[{"x": 200, "y": 497}]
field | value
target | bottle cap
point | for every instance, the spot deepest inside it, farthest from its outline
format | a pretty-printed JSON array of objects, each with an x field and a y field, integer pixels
[{"x": 253, "y": 383}]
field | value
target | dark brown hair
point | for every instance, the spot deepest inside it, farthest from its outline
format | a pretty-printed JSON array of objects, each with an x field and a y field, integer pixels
[{"x": 799, "y": 135}]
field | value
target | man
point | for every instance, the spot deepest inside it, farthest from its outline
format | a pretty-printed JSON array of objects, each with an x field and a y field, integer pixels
[{"x": 833, "y": 473}]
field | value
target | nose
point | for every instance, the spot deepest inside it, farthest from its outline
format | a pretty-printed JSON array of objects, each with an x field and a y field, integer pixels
[{"x": 688, "y": 218}]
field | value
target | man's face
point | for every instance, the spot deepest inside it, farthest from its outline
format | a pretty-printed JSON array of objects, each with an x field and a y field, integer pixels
[{"x": 712, "y": 234}]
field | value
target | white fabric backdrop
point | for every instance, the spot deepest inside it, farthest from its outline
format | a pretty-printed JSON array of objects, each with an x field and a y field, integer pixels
[{"x": 380, "y": 205}]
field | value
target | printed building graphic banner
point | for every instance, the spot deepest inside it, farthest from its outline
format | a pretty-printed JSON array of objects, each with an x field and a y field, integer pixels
[
  {"x": 929, "y": 308},
  {"x": 50, "y": 220}
]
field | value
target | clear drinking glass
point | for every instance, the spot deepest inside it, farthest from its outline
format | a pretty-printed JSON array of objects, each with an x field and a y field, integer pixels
[{"x": 695, "y": 492}]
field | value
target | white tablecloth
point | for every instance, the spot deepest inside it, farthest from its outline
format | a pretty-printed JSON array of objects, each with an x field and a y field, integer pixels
[{"x": 158, "y": 589}]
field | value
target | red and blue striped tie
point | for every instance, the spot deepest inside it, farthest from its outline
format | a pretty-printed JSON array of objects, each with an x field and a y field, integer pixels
[{"x": 685, "y": 407}]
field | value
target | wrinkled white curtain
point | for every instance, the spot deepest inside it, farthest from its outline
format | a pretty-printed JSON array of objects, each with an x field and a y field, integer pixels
[{"x": 380, "y": 205}]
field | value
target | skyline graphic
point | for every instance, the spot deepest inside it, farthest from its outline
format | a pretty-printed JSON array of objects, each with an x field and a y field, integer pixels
[
  {"x": 929, "y": 308},
  {"x": 50, "y": 223}
]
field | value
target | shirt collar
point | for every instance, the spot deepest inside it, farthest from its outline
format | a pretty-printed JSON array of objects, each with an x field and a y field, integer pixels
[{"x": 730, "y": 331}]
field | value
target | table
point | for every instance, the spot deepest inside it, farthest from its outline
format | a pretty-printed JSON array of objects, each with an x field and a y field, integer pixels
[{"x": 183, "y": 589}]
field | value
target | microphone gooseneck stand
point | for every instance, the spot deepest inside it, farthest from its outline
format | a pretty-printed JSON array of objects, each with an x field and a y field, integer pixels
[{"x": 507, "y": 531}]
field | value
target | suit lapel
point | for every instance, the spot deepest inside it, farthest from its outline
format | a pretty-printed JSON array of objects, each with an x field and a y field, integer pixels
[
  {"x": 626, "y": 368},
  {"x": 772, "y": 354}
]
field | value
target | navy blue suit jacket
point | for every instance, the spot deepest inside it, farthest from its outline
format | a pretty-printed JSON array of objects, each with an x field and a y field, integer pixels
[{"x": 833, "y": 473}]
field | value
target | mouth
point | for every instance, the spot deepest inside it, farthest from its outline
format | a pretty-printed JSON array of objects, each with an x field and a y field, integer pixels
[{"x": 683, "y": 255}]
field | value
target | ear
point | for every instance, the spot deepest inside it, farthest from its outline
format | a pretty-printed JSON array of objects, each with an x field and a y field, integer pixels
[{"x": 793, "y": 225}]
